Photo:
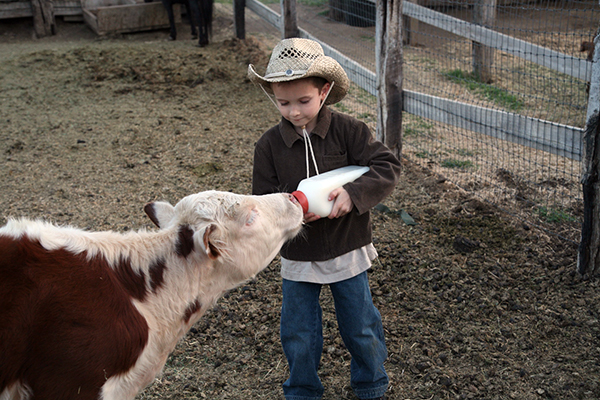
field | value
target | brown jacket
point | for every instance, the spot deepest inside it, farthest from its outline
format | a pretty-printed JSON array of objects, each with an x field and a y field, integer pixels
[{"x": 338, "y": 140}]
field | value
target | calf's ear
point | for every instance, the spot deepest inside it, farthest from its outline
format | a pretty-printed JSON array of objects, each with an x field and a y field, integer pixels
[
  {"x": 160, "y": 212},
  {"x": 209, "y": 240}
]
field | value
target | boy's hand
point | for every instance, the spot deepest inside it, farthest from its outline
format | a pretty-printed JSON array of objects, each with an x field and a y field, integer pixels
[
  {"x": 342, "y": 205},
  {"x": 310, "y": 217}
]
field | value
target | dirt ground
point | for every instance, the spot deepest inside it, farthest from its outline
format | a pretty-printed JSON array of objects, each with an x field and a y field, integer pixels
[{"x": 475, "y": 305}]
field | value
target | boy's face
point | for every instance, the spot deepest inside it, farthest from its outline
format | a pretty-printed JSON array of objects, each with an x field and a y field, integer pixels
[{"x": 299, "y": 101}]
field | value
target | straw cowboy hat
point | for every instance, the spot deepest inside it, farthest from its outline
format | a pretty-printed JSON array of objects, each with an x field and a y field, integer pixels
[{"x": 302, "y": 58}]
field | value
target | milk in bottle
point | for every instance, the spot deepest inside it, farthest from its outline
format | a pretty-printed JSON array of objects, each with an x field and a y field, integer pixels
[{"x": 312, "y": 192}]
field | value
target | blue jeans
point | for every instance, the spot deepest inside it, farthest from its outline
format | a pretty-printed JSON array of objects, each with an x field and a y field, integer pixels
[{"x": 361, "y": 329}]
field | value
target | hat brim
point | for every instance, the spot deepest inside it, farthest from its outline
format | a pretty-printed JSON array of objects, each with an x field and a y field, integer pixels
[{"x": 323, "y": 67}]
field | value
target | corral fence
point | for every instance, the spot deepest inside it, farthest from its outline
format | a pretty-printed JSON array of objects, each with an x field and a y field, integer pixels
[{"x": 495, "y": 93}]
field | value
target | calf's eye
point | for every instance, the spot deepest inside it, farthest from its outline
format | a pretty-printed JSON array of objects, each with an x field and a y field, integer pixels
[{"x": 252, "y": 217}]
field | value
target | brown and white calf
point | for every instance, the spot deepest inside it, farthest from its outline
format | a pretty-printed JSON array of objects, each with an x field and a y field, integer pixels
[{"x": 94, "y": 315}]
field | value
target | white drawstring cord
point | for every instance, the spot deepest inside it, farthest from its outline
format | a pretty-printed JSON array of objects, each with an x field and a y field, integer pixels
[
  {"x": 307, "y": 140},
  {"x": 269, "y": 96}
]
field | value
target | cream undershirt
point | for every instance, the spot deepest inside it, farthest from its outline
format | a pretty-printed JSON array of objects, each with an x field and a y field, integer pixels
[{"x": 337, "y": 269}]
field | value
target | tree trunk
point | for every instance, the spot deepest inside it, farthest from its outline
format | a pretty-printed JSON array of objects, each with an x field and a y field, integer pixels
[
  {"x": 239, "y": 24},
  {"x": 290, "y": 22},
  {"x": 389, "y": 74},
  {"x": 588, "y": 260},
  {"x": 484, "y": 14},
  {"x": 589, "y": 246}
]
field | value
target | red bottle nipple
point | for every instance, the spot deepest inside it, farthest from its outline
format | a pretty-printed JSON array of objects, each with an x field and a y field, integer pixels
[{"x": 301, "y": 199}]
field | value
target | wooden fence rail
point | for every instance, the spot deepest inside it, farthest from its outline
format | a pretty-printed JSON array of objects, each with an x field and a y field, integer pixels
[{"x": 576, "y": 67}]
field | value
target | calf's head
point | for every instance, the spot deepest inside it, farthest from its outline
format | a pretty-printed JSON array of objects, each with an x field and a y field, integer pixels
[{"x": 242, "y": 232}]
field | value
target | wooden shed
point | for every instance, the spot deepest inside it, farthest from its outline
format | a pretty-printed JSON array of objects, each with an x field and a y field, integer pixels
[
  {"x": 102, "y": 16},
  {"x": 23, "y": 8}
]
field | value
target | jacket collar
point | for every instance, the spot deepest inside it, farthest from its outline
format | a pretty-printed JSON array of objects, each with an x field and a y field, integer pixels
[{"x": 289, "y": 134}]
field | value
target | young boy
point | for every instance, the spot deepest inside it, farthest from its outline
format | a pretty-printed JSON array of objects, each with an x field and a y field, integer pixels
[{"x": 337, "y": 250}]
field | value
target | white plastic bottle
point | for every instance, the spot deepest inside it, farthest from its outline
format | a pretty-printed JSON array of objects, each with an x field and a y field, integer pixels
[{"x": 312, "y": 192}]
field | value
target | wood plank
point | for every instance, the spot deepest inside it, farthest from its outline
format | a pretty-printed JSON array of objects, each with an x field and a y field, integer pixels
[
  {"x": 562, "y": 140},
  {"x": 66, "y": 7},
  {"x": 44, "y": 23},
  {"x": 93, "y": 4},
  {"x": 22, "y": 9},
  {"x": 572, "y": 66},
  {"x": 265, "y": 13},
  {"x": 90, "y": 19},
  {"x": 16, "y": 9},
  {"x": 128, "y": 17}
]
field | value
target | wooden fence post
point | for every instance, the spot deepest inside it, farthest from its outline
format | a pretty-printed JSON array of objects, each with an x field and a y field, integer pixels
[
  {"x": 588, "y": 259},
  {"x": 484, "y": 14},
  {"x": 410, "y": 28},
  {"x": 388, "y": 56},
  {"x": 290, "y": 22},
  {"x": 336, "y": 10},
  {"x": 44, "y": 23},
  {"x": 239, "y": 22}
]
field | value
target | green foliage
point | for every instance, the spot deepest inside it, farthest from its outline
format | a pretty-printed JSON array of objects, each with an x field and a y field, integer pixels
[
  {"x": 489, "y": 92},
  {"x": 362, "y": 95},
  {"x": 555, "y": 216},
  {"x": 342, "y": 108},
  {"x": 410, "y": 131},
  {"x": 313, "y": 2},
  {"x": 414, "y": 125},
  {"x": 464, "y": 152}
]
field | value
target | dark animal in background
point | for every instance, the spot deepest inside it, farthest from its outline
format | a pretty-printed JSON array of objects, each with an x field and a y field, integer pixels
[
  {"x": 200, "y": 14},
  {"x": 589, "y": 47}
]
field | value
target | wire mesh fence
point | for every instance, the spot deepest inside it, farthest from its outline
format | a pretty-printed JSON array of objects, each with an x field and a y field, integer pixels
[{"x": 513, "y": 136}]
